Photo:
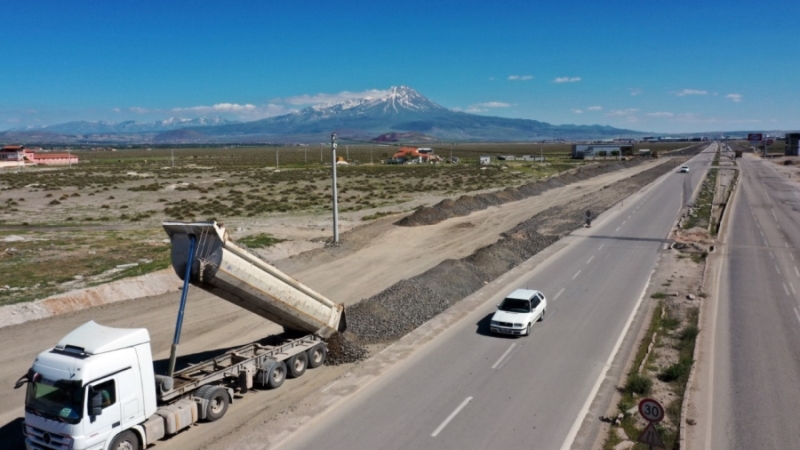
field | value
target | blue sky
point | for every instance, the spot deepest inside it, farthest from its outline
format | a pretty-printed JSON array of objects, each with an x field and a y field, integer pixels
[{"x": 680, "y": 66}]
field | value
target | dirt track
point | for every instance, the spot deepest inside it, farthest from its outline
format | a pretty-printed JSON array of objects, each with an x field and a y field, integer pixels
[{"x": 371, "y": 259}]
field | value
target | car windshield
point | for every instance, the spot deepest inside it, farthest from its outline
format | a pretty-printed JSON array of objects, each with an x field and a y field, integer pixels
[
  {"x": 60, "y": 400},
  {"x": 515, "y": 305}
]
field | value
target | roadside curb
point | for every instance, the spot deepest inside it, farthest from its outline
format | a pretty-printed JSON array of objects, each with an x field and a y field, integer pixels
[
  {"x": 154, "y": 283},
  {"x": 717, "y": 259}
]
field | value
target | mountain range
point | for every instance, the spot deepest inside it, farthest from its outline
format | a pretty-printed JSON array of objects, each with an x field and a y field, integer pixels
[{"x": 399, "y": 110}]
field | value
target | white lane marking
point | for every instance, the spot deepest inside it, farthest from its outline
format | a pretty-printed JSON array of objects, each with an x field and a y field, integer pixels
[
  {"x": 601, "y": 246},
  {"x": 629, "y": 216},
  {"x": 792, "y": 286},
  {"x": 797, "y": 314},
  {"x": 786, "y": 244},
  {"x": 773, "y": 215},
  {"x": 559, "y": 294},
  {"x": 573, "y": 432},
  {"x": 791, "y": 256},
  {"x": 451, "y": 416},
  {"x": 623, "y": 222},
  {"x": 758, "y": 225},
  {"x": 777, "y": 269},
  {"x": 771, "y": 255},
  {"x": 796, "y": 271},
  {"x": 590, "y": 259},
  {"x": 762, "y": 233},
  {"x": 576, "y": 274},
  {"x": 504, "y": 355},
  {"x": 616, "y": 229},
  {"x": 786, "y": 289}
]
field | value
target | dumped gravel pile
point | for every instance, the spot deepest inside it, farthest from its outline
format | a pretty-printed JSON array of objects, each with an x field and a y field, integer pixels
[
  {"x": 343, "y": 351},
  {"x": 467, "y": 204}
]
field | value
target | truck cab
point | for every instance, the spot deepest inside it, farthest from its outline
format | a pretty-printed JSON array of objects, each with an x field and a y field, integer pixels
[{"x": 96, "y": 382}]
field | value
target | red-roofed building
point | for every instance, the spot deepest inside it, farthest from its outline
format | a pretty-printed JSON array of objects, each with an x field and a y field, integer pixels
[{"x": 18, "y": 153}]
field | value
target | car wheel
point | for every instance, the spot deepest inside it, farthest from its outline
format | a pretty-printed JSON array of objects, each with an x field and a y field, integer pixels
[
  {"x": 528, "y": 333},
  {"x": 541, "y": 318}
]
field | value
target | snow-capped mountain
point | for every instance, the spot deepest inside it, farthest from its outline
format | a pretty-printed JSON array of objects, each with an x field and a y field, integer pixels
[
  {"x": 131, "y": 126},
  {"x": 396, "y": 110},
  {"x": 397, "y": 100}
]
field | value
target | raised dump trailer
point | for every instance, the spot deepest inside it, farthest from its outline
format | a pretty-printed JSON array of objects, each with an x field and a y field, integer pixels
[
  {"x": 230, "y": 272},
  {"x": 97, "y": 388}
]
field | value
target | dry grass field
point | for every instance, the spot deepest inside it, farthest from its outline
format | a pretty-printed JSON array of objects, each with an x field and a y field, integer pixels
[{"x": 71, "y": 227}]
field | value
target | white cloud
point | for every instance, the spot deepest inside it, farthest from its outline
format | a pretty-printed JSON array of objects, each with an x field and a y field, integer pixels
[
  {"x": 660, "y": 114},
  {"x": 577, "y": 111},
  {"x": 139, "y": 110},
  {"x": 594, "y": 108},
  {"x": 566, "y": 79},
  {"x": 116, "y": 110},
  {"x": 321, "y": 98},
  {"x": 473, "y": 110},
  {"x": 219, "y": 107},
  {"x": 622, "y": 112},
  {"x": 635, "y": 91},
  {"x": 686, "y": 92},
  {"x": 493, "y": 105},
  {"x": 735, "y": 97},
  {"x": 520, "y": 77}
]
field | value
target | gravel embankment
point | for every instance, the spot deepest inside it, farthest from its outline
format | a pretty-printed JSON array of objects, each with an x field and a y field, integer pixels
[
  {"x": 466, "y": 204},
  {"x": 387, "y": 316}
]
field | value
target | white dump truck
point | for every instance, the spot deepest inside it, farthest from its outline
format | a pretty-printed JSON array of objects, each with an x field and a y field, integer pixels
[{"x": 97, "y": 388}]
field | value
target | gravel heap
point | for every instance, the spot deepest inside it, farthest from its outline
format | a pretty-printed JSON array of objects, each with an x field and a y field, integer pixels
[
  {"x": 404, "y": 306},
  {"x": 343, "y": 351},
  {"x": 466, "y": 204}
]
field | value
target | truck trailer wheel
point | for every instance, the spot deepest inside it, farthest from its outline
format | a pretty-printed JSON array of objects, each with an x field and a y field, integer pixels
[
  {"x": 127, "y": 440},
  {"x": 298, "y": 365},
  {"x": 317, "y": 356},
  {"x": 217, "y": 401},
  {"x": 277, "y": 375}
]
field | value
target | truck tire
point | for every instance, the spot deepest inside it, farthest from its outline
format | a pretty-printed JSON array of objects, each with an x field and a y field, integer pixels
[
  {"x": 298, "y": 365},
  {"x": 127, "y": 440},
  {"x": 276, "y": 375},
  {"x": 216, "y": 401},
  {"x": 317, "y": 356}
]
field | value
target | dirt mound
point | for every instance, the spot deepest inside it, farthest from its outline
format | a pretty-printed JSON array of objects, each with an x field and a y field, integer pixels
[
  {"x": 466, "y": 204},
  {"x": 342, "y": 350}
]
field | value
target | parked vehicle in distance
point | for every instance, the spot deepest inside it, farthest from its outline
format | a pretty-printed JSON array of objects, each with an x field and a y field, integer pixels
[
  {"x": 684, "y": 169},
  {"x": 516, "y": 314}
]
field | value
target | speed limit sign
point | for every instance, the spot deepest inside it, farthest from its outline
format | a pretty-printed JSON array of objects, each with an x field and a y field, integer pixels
[{"x": 651, "y": 410}]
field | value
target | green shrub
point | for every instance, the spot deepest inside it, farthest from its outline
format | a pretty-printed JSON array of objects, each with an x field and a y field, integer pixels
[{"x": 638, "y": 384}]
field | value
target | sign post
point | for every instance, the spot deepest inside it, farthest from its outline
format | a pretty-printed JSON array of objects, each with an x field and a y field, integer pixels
[
  {"x": 652, "y": 412},
  {"x": 756, "y": 139}
]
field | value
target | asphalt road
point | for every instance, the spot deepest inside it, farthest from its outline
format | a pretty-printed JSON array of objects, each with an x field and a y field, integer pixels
[
  {"x": 469, "y": 389},
  {"x": 755, "y": 391}
]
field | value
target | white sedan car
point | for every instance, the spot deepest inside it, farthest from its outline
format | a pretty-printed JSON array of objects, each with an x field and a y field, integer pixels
[
  {"x": 516, "y": 314},
  {"x": 684, "y": 169}
]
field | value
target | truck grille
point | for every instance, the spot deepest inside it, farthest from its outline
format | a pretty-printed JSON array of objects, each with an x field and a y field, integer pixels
[{"x": 45, "y": 440}]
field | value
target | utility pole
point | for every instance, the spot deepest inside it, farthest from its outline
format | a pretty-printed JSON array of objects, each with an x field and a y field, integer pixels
[
  {"x": 172, "y": 152},
  {"x": 277, "y": 162},
  {"x": 334, "y": 192},
  {"x": 320, "y": 152},
  {"x": 305, "y": 149},
  {"x": 370, "y": 153}
]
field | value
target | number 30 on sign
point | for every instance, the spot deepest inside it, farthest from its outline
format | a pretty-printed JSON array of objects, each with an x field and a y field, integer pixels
[{"x": 651, "y": 410}]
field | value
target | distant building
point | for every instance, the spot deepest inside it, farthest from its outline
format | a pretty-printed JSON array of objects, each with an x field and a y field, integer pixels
[
  {"x": 581, "y": 151},
  {"x": 18, "y": 153}
]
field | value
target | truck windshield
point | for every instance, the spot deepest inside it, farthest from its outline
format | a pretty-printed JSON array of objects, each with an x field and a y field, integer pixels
[{"x": 60, "y": 400}]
